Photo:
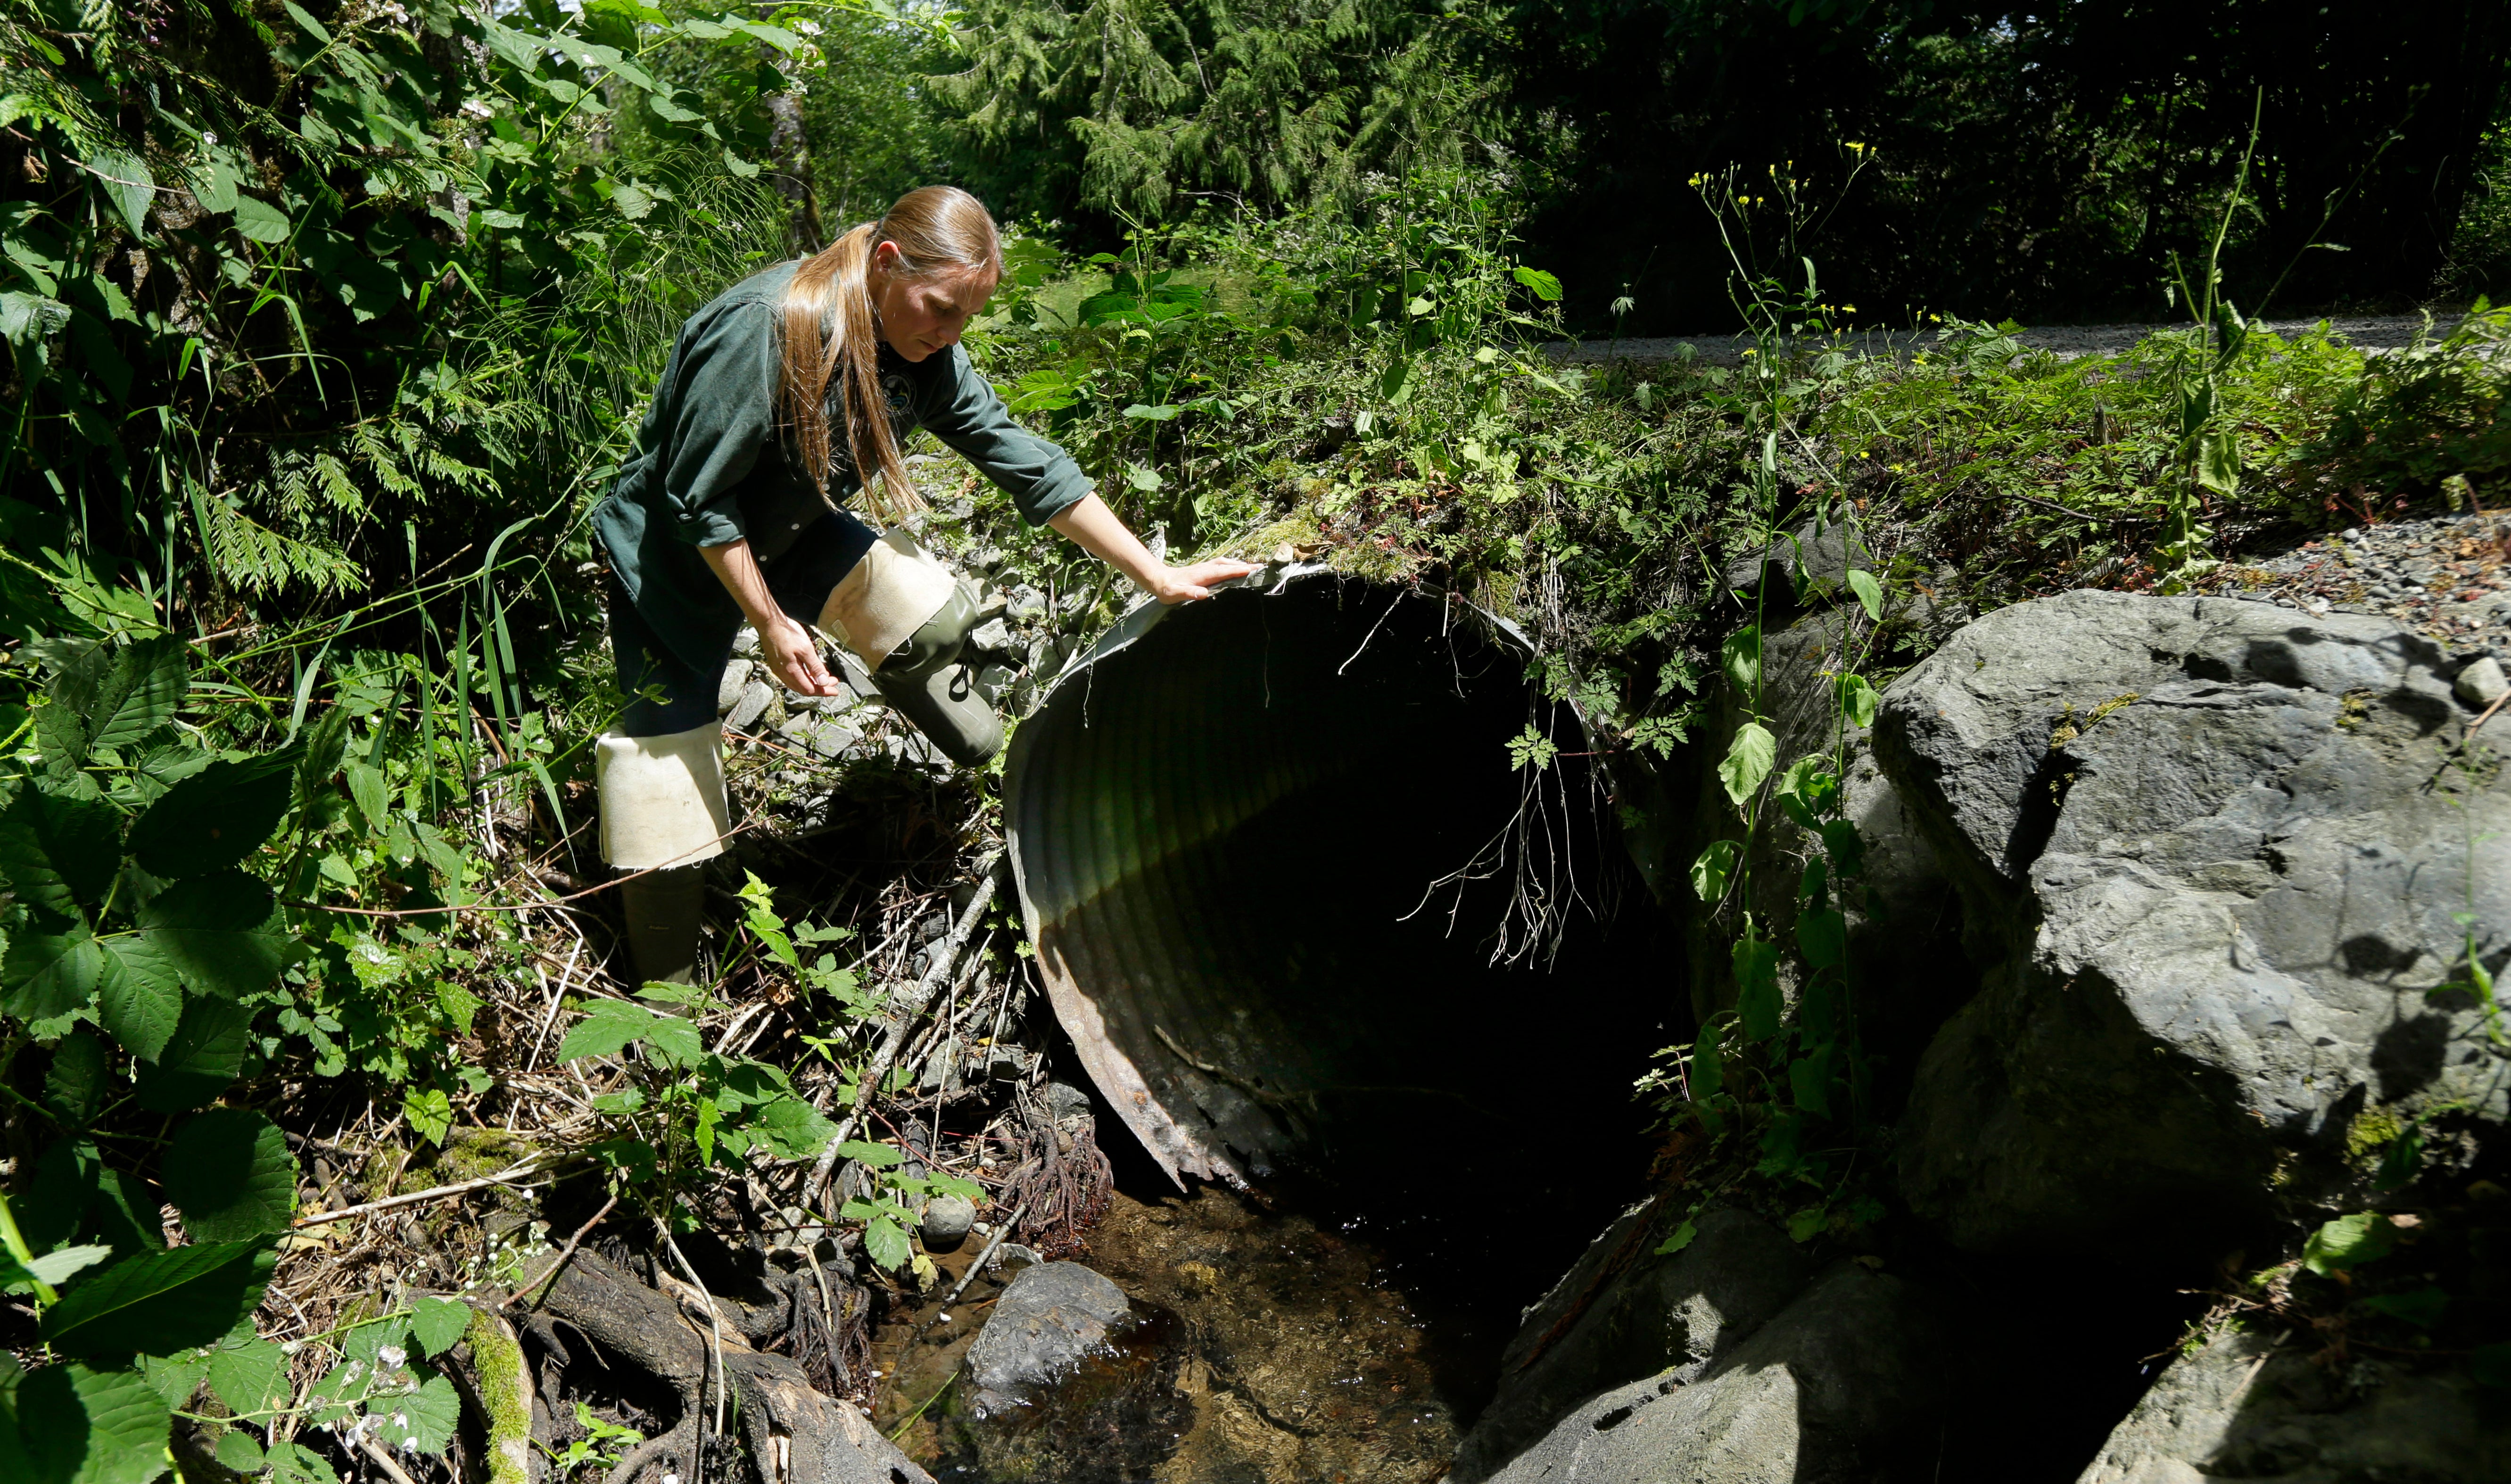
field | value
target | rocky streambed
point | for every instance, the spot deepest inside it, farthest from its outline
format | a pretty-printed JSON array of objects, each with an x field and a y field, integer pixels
[{"x": 1201, "y": 1337}]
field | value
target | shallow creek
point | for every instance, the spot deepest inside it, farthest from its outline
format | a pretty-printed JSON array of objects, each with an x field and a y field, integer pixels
[{"x": 1272, "y": 1344}]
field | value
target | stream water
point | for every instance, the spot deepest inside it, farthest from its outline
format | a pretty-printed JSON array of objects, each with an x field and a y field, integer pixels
[
  {"x": 1270, "y": 1344},
  {"x": 1297, "y": 1337}
]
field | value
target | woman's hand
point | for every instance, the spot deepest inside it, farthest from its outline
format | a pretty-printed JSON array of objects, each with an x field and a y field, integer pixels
[
  {"x": 792, "y": 651},
  {"x": 1185, "y": 585},
  {"x": 792, "y": 655},
  {"x": 1092, "y": 526}
]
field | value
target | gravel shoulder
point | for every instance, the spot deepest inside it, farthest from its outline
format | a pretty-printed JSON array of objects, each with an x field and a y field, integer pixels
[
  {"x": 2372, "y": 332},
  {"x": 2445, "y": 577}
]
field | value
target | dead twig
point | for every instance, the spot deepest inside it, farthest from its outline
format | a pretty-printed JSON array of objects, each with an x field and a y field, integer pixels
[
  {"x": 937, "y": 972},
  {"x": 714, "y": 1315},
  {"x": 382, "y": 1459},
  {"x": 979, "y": 1266},
  {"x": 509, "y": 1175}
]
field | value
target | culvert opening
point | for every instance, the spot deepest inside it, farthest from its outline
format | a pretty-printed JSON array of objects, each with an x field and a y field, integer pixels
[{"x": 1267, "y": 846}]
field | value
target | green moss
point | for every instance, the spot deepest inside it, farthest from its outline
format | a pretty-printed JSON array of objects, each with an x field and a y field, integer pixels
[
  {"x": 497, "y": 1361},
  {"x": 2372, "y": 1129},
  {"x": 468, "y": 1154}
]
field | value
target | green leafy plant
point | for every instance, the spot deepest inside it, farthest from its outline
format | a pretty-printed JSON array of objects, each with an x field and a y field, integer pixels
[
  {"x": 2348, "y": 1242},
  {"x": 888, "y": 1210},
  {"x": 602, "y": 1445},
  {"x": 685, "y": 1108}
]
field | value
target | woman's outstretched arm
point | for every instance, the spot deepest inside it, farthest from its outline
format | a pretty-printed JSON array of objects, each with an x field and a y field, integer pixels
[
  {"x": 789, "y": 648},
  {"x": 1094, "y": 529}
]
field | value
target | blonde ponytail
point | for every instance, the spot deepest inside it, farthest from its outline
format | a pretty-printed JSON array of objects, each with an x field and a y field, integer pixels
[{"x": 826, "y": 321}]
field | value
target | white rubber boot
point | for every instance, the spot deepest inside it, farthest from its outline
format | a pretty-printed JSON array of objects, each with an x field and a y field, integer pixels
[{"x": 663, "y": 813}]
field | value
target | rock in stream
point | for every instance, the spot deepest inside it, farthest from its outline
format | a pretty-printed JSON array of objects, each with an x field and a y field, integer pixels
[
  {"x": 1240, "y": 1346},
  {"x": 1046, "y": 1324}
]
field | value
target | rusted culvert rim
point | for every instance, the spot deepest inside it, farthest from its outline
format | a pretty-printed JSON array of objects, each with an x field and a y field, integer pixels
[{"x": 1156, "y": 801}]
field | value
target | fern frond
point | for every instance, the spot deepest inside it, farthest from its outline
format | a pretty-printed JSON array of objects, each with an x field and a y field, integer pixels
[
  {"x": 338, "y": 487},
  {"x": 251, "y": 556}
]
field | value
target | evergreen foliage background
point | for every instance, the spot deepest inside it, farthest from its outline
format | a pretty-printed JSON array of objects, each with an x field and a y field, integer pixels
[{"x": 2039, "y": 161}]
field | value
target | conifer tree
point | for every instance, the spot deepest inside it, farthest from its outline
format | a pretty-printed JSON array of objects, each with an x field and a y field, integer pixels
[{"x": 1120, "y": 106}]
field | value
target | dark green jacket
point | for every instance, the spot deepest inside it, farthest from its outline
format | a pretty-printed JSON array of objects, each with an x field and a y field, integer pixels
[{"x": 712, "y": 466}]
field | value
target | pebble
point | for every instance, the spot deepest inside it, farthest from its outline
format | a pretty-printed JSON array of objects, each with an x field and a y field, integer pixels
[
  {"x": 991, "y": 637},
  {"x": 1065, "y": 1103},
  {"x": 851, "y": 669},
  {"x": 2445, "y": 577},
  {"x": 2482, "y": 683},
  {"x": 1026, "y": 606},
  {"x": 727, "y": 691},
  {"x": 752, "y": 703},
  {"x": 1011, "y": 1257},
  {"x": 828, "y": 737},
  {"x": 947, "y": 1221},
  {"x": 1047, "y": 657}
]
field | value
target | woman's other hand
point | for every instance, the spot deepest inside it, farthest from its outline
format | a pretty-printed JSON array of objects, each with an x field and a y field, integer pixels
[
  {"x": 1185, "y": 585},
  {"x": 792, "y": 651},
  {"x": 792, "y": 655}
]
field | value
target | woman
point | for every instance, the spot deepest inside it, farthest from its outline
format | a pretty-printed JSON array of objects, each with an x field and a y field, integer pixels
[{"x": 729, "y": 513}]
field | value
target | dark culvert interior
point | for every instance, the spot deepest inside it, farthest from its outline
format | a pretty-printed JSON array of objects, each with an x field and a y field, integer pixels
[{"x": 1232, "y": 830}]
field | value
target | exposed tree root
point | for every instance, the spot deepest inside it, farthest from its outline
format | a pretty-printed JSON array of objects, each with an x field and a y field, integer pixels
[
  {"x": 1065, "y": 1183},
  {"x": 788, "y": 1431},
  {"x": 501, "y": 1389}
]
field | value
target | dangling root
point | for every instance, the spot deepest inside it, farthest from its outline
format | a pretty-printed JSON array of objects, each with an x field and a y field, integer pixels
[{"x": 1062, "y": 1193}]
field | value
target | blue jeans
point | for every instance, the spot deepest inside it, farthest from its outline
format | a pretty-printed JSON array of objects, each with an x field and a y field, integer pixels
[{"x": 687, "y": 674}]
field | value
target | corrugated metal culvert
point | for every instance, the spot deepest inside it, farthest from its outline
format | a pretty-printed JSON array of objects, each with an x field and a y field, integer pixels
[{"x": 1264, "y": 844}]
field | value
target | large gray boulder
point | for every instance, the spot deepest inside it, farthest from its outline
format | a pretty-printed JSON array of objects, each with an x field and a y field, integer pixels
[
  {"x": 1846, "y": 1384},
  {"x": 2212, "y": 855},
  {"x": 1623, "y": 1313},
  {"x": 2240, "y": 1409}
]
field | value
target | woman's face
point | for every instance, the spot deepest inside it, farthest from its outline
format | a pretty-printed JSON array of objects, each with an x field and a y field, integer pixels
[{"x": 920, "y": 315}]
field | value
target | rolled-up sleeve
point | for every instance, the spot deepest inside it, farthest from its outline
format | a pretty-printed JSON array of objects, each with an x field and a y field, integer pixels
[
  {"x": 1041, "y": 478},
  {"x": 723, "y": 391}
]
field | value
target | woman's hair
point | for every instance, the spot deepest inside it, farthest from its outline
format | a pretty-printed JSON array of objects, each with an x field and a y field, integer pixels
[{"x": 829, "y": 331}]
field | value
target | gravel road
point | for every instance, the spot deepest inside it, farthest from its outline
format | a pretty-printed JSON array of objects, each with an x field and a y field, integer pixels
[{"x": 2383, "y": 333}]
